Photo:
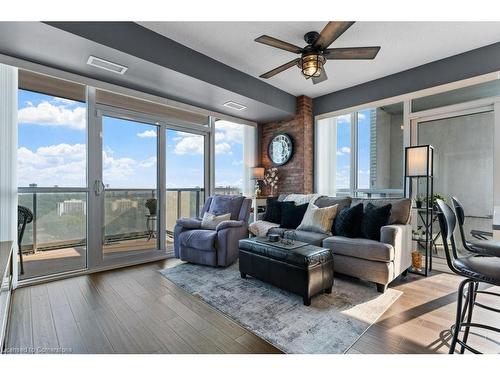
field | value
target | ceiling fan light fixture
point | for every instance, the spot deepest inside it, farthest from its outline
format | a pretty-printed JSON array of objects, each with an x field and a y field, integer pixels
[{"x": 312, "y": 65}]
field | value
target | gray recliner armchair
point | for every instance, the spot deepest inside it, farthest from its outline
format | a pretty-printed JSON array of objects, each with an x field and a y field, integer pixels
[{"x": 217, "y": 247}]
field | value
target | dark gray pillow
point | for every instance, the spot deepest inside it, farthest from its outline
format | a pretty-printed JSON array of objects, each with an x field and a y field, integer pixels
[
  {"x": 401, "y": 207},
  {"x": 348, "y": 222},
  {"x": 374, "y": 218}
]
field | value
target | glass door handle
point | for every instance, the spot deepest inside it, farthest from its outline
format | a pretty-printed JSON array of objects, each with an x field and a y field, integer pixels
[{"x": 98, "y": 187}]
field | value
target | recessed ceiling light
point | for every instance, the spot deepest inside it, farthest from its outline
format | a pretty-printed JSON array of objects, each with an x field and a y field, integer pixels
[
  {"x": 106, "y": 65},
  {"x": 234, "y": 105}
]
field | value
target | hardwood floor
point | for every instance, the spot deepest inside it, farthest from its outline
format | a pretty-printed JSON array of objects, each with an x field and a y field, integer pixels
[{"x": 136, "y": 310}]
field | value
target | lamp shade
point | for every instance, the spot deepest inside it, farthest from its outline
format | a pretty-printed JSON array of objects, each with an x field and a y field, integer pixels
[
  {"x": 257, "y": 173},
  {"x": 419, "y": 161}
]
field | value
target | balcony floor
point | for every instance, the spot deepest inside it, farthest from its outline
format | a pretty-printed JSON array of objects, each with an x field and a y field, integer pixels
[{"x": 49, "y": 262}]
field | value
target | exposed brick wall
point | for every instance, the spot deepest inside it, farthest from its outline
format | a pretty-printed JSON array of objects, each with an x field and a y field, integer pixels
[{"x": 296, "y": 176}]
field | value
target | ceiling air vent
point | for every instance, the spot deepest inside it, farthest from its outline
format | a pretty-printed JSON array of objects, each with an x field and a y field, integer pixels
[
  {"x": 234, "y": 105},
  {"x": 106, "y": 65}
]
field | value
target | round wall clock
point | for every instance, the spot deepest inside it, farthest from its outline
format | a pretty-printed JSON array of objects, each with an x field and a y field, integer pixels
[{"x": 280, "y": 149}]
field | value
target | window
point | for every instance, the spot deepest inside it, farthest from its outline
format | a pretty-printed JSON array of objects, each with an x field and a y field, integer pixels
[
  {"x": 336, "y": 131},
  {"x": 234, "y": 156},
  {"x": 52, "y": 141},
  {"x": 52, "y": 155},
  {"x": 375, "y": 158}
]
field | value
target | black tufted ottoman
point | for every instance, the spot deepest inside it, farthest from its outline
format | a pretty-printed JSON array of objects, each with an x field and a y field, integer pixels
[{"x": 306, "y": 270}]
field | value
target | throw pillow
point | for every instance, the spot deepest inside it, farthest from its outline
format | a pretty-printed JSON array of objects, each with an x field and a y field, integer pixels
[
  {"x": 273, "y": 210},
  {"x": 348, "y": 221},
  {"x": 210, "y": 221},
  {"x": 291, "y": 215},
  {"x": 374, "y": 218},
  {"x": 318, "y": 219}
]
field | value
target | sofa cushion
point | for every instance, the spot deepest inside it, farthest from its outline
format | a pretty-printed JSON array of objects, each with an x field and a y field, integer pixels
[
  {"x": 317, "y": 219},
  {"x": 325, "y": 201},
  {"x": 401, "y": 208},
  {"x": 210, "y": 221},
  {"x": 360, "y": 248},
  {"x": 374, "y": 218},
  {"x": 201, "y": 239},
  {"x": 291, "y": 215},
  {"x": 273, "y": 210},
  {"x": 348, "y": 222},
  {"x": 312, "y": 238},
  {"x": 223, "y": 204}
]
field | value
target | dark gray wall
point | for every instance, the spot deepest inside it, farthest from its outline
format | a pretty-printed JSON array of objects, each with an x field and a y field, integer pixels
[
  {"x": 141, "y": 42},
  {"x": 465, "y": 65}
]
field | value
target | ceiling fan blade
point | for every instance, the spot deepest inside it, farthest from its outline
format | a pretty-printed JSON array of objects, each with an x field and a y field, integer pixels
[
  {"x": 321, "y": 78},
  {"x": 273, "y": 42},
  {"x": 331, "y": 32},
  {"x": 280, "y": 69},
  {"x": 354, "y": 53}
]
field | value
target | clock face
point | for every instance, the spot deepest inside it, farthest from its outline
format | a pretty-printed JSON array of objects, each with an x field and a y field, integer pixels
[{"x": 280, "y": 149}]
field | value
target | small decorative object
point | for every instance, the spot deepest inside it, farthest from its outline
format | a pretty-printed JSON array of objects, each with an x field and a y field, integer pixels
[
  {"x": 416, "y": 260},
  {"x": 273, "y": 237},
  {"x": 418, "y": 233},
  {"x": 419, "y": 200},
  {"x": 280, "y": 149},
  {"x": 288, "y": 237},
  {"x": 271, "y": 178}
]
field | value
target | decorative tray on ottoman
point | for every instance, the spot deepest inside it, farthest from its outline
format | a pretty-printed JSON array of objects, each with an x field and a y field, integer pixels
[{"x": 283, "y": 244}]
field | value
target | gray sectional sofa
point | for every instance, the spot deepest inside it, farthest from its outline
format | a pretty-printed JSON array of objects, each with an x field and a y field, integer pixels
[{"x": 378, "y": 262}]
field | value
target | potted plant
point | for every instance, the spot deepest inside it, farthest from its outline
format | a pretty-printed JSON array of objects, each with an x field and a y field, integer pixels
[
  {"x": 419, "y": 199},
  {"x": 431, "y": 200}
]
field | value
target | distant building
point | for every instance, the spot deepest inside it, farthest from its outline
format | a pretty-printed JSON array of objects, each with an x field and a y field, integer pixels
[
  {"x": 72, "y": 206},
  {"x": 227, "y": 190},
  {"x": 122, "y": 205}
]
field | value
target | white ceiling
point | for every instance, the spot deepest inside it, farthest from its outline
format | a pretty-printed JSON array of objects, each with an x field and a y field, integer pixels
[{"x": 404, "y": 45}]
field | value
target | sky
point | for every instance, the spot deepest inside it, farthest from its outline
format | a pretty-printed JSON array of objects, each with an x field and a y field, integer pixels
[
  {"x": 344, "y": 150},
  {"x": 52, "y": 149}
]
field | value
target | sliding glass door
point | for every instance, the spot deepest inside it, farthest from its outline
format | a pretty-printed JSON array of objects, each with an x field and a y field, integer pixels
[
  {"x": 186, "y": 157},
  {"x": 130, "y": 188}
]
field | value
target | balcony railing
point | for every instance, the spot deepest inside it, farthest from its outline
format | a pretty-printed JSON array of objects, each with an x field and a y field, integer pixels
[{"x": 60, "y": 215}]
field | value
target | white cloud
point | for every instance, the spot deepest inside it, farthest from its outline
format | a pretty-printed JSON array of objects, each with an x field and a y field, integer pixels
[
  {"x": 149, "y": 162},
  {"x": 147, "y": 134},
  {"x": 65, "y": 165},
  {"x": 344, "y": 151},
  {"x": 229, "y": 132},
  {"x": 48, "y": 114},
  {"x": 222, "y": 148},
  {"x": 62, "y": 165},
  {"x": 189, "y": 144},
  {"x": 226, "y": 135}
]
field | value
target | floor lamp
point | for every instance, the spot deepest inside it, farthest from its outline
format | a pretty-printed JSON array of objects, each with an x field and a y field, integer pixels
[{"x": 419, "y": 163}]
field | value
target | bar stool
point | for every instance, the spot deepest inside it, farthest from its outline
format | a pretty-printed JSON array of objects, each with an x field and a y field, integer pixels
[
  {"x": 475, "y": 269},
  {"x": 486, "y": 247}
]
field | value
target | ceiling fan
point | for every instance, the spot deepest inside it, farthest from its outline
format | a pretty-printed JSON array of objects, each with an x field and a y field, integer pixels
[{"x": 316, "y": 53}]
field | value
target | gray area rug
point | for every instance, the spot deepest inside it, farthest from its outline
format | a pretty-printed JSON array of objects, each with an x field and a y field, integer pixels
[{"x": 332, "y": 324}]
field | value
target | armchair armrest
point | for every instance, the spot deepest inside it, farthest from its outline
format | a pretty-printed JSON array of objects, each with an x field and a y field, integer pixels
[
  {"x": 189, "y": 223},
  {"x": 399, "y": 236},
  {"x": 229, "y": 224}
]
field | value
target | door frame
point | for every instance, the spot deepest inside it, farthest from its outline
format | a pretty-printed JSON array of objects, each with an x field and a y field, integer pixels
[
  {"x": 491, "y": 104},
  {"x": 95, "y": 225}
]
